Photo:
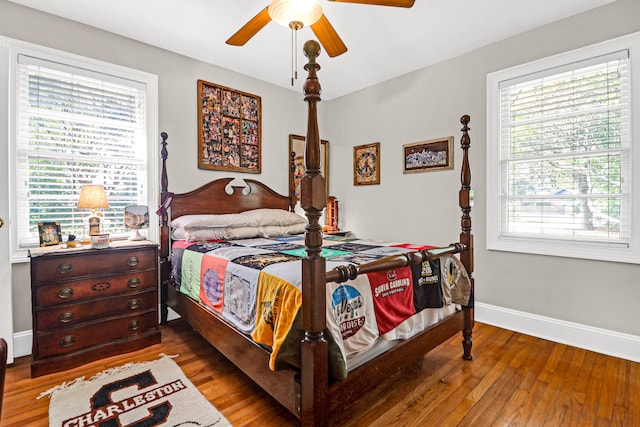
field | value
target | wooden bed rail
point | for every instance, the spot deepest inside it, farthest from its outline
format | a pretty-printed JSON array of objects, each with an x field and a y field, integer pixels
[{"x": 342, "y": 273}]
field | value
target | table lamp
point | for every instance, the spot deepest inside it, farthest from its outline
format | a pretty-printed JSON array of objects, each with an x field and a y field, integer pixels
[
  {"x": 136, "y": 217},
  {"x": 93, "y": 197}
]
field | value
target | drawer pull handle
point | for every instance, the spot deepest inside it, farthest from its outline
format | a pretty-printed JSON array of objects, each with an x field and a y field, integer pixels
[
  {"x": 133, "y": 261},
  {"x": 134, "y": 283},
  {"x": 134, "y": 304},
  {"x": 67, "y": 341},
  {"x": 101, "y": 286},
  {"x": 66, "y": 317},
  {"x": 65, "y": 268},
  {"x": 65, "y": 293},
  {"x": 134, "y": 325}
]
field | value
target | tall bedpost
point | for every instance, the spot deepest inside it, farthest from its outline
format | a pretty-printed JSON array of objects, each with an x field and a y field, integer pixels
[
  {"x": 313, "y": 199},
  {"x": 165, "y": 266},
  {"x": 466, "y": 238}
]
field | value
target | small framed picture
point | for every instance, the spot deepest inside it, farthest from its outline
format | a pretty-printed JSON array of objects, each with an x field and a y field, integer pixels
[
  {"x": 425, "y": 156},
  {"x": 366, "y": 164},
  {"x": 49, "y": 233}
]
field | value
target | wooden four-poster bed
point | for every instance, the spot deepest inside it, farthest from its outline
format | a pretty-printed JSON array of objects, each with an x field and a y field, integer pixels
[{"x": 309, "y": 390}]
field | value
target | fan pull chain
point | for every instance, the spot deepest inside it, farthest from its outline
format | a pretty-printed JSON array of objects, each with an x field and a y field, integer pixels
[
  {"x": 295, "y": 26},
  {"x": 292, "y": 54},
  {"x": 295, "y": 69}
]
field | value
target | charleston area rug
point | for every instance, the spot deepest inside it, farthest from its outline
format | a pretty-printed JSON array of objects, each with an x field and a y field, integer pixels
[{"x": 141, "y": 394}]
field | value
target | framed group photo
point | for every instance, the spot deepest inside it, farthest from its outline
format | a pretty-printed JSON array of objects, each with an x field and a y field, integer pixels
[
  {"x": 49, "y": 233},
  {"x": 435, "y": 154},
  {"x": 229, "y": 129},
  {"x": 366, "y": 164}
]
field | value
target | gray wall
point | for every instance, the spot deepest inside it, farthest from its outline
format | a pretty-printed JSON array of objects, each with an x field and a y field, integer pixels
[
  {"x": 422, "y": 105},
  {"x": 428, "y": 104}
]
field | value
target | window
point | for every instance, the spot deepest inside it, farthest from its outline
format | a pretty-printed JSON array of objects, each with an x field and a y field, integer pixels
[
  {"x": 77, "y": 122},
  {"x": 560, "y": 143}
]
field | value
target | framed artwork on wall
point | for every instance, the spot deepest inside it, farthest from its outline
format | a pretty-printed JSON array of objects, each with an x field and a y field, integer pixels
[
  {"x": 229, "y": 129},
  {"x": 425, "y": 156},
  {"x": 49, "y": 233},
  {"x": 366, "y": 164}
]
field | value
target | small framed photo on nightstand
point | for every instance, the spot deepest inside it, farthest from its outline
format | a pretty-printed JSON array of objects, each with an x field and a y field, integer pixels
[{"x": 49, "y": 233}]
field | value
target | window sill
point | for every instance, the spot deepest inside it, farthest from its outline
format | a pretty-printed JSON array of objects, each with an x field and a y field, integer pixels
[{"x": 568, "y": 249}]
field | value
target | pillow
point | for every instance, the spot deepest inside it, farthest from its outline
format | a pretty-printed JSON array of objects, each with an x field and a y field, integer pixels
[
  {"x": 221, "y": 233},
  {"x": 282, "y": 230},
  {"x": 179, "y": 234},
  {"x": 198, "y": 234},
  {"x": 274, "y": 217},
  {"x": 214, "y": 221},
  {"x": 235, "y": 233},
  {"x": 193, "y": 234},
  {"x": 243, "y": 233}
]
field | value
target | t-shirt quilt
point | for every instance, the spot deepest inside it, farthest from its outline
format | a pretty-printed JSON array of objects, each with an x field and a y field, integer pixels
[{"x": 256, "y": 285}]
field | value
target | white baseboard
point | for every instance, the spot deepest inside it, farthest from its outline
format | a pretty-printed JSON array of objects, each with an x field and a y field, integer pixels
[
  {"x": 172, "y": 315},
  {"x": 22, "y": 343},
  {"x": 603, "y": 341}
]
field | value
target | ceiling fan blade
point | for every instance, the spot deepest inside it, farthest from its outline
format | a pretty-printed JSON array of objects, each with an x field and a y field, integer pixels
[
  {"x": 394, "y": 3},
  {"x": 250, "y": 29},
  {"x": 328, "y": 37}
]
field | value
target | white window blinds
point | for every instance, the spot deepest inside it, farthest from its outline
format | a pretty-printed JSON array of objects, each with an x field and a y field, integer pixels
[
  {"x": 75, "y": 127},
  {"x": 565, "y": 152}
]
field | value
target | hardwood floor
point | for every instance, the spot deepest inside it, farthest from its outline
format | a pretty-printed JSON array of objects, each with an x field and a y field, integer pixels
[{"x": 514, "y": 380}]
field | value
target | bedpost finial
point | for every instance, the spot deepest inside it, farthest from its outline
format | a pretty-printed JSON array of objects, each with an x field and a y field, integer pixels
[
  {"x": 311, "y": 50},
  {"x": 465, "y": 119},
  {"x": 311, "y": 86}
]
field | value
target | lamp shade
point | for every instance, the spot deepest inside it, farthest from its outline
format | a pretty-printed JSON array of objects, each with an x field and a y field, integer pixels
[
  {"x": 93, "y": 197},
  {"x": 286, "y": 11}
]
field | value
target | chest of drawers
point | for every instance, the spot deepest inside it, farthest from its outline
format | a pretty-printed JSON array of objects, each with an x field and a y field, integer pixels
[{"x": 89, "y": 304}]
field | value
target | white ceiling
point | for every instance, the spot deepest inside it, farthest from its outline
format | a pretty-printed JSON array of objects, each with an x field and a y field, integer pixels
[{"x": 383, "y": 42}]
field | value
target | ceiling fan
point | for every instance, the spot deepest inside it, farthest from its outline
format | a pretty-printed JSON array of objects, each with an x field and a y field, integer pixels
[{"x": 310, "y": 14}]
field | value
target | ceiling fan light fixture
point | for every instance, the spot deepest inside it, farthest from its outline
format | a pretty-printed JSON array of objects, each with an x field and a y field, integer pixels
[{"x": 284, "y": 12}]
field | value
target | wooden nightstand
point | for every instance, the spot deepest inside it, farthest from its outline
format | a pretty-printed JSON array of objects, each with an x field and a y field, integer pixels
[{"x": 89, "y": 303}]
